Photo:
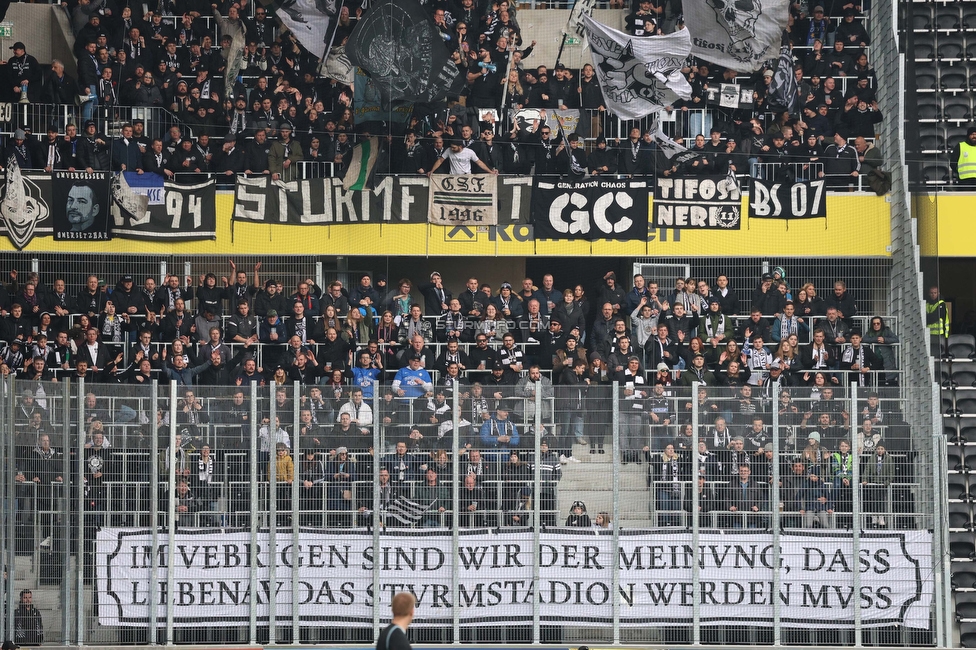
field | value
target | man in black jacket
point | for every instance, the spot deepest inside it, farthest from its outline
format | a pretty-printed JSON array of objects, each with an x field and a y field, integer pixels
[{"x": 94, "y": 151}]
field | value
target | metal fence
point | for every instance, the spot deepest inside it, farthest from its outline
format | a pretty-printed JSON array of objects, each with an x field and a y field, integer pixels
[{"x": 517, "y": 511}]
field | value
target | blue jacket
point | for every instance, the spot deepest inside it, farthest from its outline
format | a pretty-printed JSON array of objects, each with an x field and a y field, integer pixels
[{"x": 493, "y": 428}]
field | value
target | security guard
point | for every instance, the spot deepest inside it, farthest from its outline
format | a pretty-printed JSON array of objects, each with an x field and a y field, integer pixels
[
  {"x": 937, "y": 320},
  {"x": 963, "y": 159}
]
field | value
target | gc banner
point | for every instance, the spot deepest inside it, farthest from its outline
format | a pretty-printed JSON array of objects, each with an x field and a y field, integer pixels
[
  {"x": 698, "y": 203},
  {"x": 591, "y": 209},
  {"x": 465, "y": 199},
  {"x": 800, "y": 200},
  {"x": 212, "y": 577}
]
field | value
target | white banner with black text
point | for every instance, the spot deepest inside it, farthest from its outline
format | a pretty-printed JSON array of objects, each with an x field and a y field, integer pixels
[
  {"x": 463, "y": 199},
  {"x": 697, "y": 202},
  {"x": 212, "y": 577}
]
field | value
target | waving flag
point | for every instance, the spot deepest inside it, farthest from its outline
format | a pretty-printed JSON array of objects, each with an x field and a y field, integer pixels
[
  {"x": 359, "y": 175},
  {"x": 782, "y": 90},
  {"x": 737, "y": 34},
  {"x": 638, "y": 75}
]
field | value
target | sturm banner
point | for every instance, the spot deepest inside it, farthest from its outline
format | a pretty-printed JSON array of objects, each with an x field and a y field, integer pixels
[
  {"x": 592, "y": 209},
  {"x": 697, "y": 203},
  {"x": 738, "y": 578},
  {"x": 463, "y": 199},
  {"x": 800, "y": 200},
  {"x": 323, "y": 201}
]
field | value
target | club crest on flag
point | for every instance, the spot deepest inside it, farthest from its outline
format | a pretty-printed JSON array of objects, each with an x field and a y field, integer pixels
[{"x": 638, "y": 75}]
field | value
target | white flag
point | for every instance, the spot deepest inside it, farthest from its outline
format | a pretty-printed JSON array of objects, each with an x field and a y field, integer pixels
[
  {"x": 737, "y": 34},
  {"x": 638, "y": 74},
  {"x": 667, "y": 145}
]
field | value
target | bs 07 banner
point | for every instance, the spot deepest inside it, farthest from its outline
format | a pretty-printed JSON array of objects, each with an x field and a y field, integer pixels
[
  {"x": 799, "y": 200},
  {"x": 591, "y": 209}
]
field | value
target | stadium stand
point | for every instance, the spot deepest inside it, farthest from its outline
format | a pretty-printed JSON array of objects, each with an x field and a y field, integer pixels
[{"x": 274, "y": 400}]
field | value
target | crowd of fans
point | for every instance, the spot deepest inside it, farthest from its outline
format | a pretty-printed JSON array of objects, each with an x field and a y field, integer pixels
[
  {"x": 527, "y": 364},
  {"x": 177, "y": 55}
]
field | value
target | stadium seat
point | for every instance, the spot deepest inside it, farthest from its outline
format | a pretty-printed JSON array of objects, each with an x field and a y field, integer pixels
[
  {"x": 958, "y": 487},
  {"x": 948, "y": 403},
  {"x": 967, "y": 434},
  {"x": 948, "y": 18},
  {"x": 963, "y": 575},
  {"x": 956, "y": 457},
  {"x": 964, "y": 376},
  {"x": 936, "y": 173},
  {"x": 951, "y": 47},
  {"x": 971, "y": 48},
  {"x": 965, "y": 601},
  {"x": 921, "y": 17},
  {"x": 954, "y": 78},
  {"x": 967, "y": 635},
  {"x": 966, "y": 405},
  {"x": 962, "y": 546},
  {"x": 956, "y": 107},
  {"x": 924, "y": 47},
  {"x": 969, "y": 461},
  {"x": 950, "y": 429},
  {"x": 968, "y": 16},
  {"x": 929, "y": 111},
  {"x": 960, "y": 517},
  {"x": 925, "y": 79},
  {"x": 962, "y": 345}
]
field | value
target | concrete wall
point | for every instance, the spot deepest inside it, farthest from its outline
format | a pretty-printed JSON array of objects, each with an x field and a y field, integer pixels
[
  {"x": 545, "y": 27},
  {"x": 44, "y": 29}
]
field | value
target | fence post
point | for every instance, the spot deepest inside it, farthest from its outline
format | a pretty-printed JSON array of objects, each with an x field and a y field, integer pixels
[
  {"x": 171, "y": 516},
  {"x": 455, "y": 507},
  {"x": 272, "y": 509},
  {"x": 615, "y": 529},
  {"x": 774, "y": 502},
  {"x": 856, "y": 523},
  {"x": 80, "y": 563},
  {"x": 64, "y": 534},
  {"x": 296, "y": 511},
  {"x": 695, "y": 517},
  {"x": 154, "y": 520},
  {"x": 252, "y": 577}
]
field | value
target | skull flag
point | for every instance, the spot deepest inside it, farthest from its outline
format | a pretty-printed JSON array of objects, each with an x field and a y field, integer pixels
[
  {"x": 638, "y": 74},
  {"x": 737, "y": 34}
]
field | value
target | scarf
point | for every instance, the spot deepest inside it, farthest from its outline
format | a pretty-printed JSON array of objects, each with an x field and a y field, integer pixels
[
  {"x": 670, "y": 472},
  {"x": 112, "y": 328},
  {"x": 787, "y": 326},
  {"x": 205, "y": 469},
  {"x": 44, "y": 455},
  {"x": 759, "y": 359},
  {"x": 713, "y": 329}
]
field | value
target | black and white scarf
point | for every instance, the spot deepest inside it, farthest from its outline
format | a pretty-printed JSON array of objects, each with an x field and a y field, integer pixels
[
  {"x": 669, "y": 471},
  {"x": 787, "y": 326},
  {"x": 713, "y": 329},
  {"x": 205, "y": 469}
]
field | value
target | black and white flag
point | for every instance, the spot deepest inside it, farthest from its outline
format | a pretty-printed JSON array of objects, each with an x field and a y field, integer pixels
[
  {"x": 407, "y": 512},
  {"x": 313, "y": 22},
  {"x": 666, "y": 144},
  {"x": 782, "y": 90},
  {"x": 638, "y": 75},
  {"x": 399, "y": 45},
  {"x": 737, "y": 34}
]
